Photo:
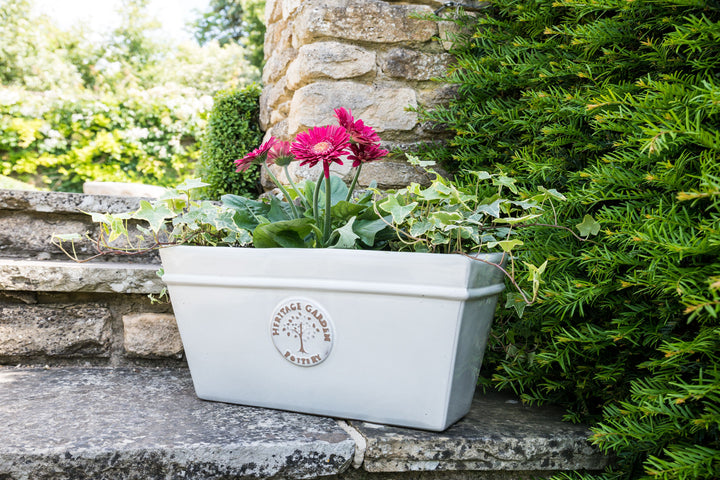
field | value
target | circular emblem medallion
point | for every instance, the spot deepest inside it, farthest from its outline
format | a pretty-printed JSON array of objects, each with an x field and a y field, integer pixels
[{"x": 302, "y": 331}]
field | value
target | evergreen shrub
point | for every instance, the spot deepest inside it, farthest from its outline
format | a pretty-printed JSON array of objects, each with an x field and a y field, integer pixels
[
  {"x": 616, "y": 104},
  {"x": 232, "y": 130}
]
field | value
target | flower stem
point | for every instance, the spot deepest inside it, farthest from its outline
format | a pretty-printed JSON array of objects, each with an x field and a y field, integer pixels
[
  {"x": 284, "y": 192},
  {"x": 328, "y": 218},
  {"x": 294, "y": 187},
  {"x": 354, "y": 182},
  {"x": 316, "y": 197}
]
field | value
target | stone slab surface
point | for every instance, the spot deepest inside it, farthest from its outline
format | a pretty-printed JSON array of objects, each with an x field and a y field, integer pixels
[
  {"x": 499, "y": 434},
  {"x": 68, "y": 276},
  {"x": 148, "y": 424},
  {"x": 65, "y": 202}
]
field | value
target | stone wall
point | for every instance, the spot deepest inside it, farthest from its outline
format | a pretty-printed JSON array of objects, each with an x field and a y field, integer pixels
[{"x": 374, "y": 57}]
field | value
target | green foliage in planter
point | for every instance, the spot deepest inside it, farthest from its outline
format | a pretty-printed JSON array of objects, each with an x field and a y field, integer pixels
[
  {"x": 617, "y": 104},
  {"x": 232, "y": 131}
]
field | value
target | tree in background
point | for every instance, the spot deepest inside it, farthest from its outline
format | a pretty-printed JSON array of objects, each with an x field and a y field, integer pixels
[
  {"x": 126, "y": 107},
  {"x": 238, "y": 21}
]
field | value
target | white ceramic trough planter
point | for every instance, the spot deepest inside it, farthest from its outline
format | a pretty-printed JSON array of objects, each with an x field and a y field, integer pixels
[{"x": 386, "y": 337}]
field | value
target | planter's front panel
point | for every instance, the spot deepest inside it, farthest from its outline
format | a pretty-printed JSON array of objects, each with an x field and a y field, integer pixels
[{"x": 387, "y": 358}]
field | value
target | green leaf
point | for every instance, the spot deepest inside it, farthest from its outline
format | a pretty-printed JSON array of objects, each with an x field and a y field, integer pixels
[
  {"x": 367, "y": 230},
  {"x": 414, "y": 160},
  {"x": 502, "y": 180},
  {"x": 347, "y": 237},
  {"x": 506, "y": 245},
  {"x": 492, "y": 209},
  {"x": 421, "y": 227},
  {"x": 68, "y": 237},
  {"x": 514, "y": 220},
  {"x": 191, "y": 184},
  {"x": 393, "y": 207},
  {"x": 516, "y": 301},
  {"x": 535, "y": 274},
  {"x": 444, "y": 220},
  {"x": 588, "y": 226},
  {"x": 338, "y": 191},
  {"x": 155, "y": 215},
  {"x": 279, "y": 210},
  {"x": 252, "y": 208},
  {"x": 286, "y": 234},
  {"x": 343, "y": 210}
]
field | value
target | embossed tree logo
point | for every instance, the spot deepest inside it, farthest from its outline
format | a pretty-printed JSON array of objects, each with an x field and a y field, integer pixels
[{"x": 302, "y": 328}]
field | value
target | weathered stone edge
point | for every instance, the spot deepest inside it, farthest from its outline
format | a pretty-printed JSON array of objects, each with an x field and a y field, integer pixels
[
  {"x": 56, "y": 276},
  {"x": 62, "y": 202}
]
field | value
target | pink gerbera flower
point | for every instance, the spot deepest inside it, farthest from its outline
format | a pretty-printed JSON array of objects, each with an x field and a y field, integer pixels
[
  {"x": 257, "y": 156},
  {"x": 358, "y": 131},
  {"x": 280, "y": 154},
  {"x": 321, "y": 144},
  {"x": 364, "y": 153}
]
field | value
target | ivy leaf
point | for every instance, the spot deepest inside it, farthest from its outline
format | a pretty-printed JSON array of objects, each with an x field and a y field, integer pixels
[
  {"x": 445, "y": 219},
  {"x": 68, "y": 237},
  {"x": 506, "y": 245},
  {"x": 413, "y": 160},
  {"x": 514, "y": 220},
  {"x": 588, "y": 226},
  {"x": 502, "y": 180},
  {"x": 347, "y": 237},
  {"x": 481, "y": 175},
  {"x": 154, "y": 215},
  {"x": 534, "y": 274},
  {"x": 191, "y": 184},
  {"x": 398, "y": 212},
  {"x": 492, "y": 209},
  {"x": 421, "y": 227},
  {"x": 516, "y": 301},
  {"x": 552, "y": 193}
]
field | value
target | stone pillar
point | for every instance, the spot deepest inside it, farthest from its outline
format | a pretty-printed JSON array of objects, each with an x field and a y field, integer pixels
[{"x": 374, "y": 57}]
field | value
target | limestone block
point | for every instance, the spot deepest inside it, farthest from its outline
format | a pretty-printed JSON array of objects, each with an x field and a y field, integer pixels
[
  {"x": 272, "y": 96},
  {"x": 277, "y": 64},
  {"x": 56, "y": 330},
  {"x": 273, "y": 11},
  {"x": 65, "y": 276},
  {"x": 289, "y": 7},
  {"x": 414, "y": 65},
  {"x": 382, "y": 107},
  {"x": 392, "y": 174},
  {"x": 151, "y": 335},
  {"x": 364, "y": 20},
  {"x": 322, "y": 60}
]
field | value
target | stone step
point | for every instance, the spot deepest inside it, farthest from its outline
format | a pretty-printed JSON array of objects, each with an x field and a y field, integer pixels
[
  {"x": 147, "y": 423},
  {"x": 63, "y": 312},
  {"x": 29, "y": 219}
]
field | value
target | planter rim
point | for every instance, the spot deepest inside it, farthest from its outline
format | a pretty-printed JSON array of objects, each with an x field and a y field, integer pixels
[{"x": 428, "y": 275}]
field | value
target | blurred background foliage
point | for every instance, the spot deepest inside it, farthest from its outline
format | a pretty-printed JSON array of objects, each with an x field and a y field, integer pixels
[{"x": 129, "y": 106}]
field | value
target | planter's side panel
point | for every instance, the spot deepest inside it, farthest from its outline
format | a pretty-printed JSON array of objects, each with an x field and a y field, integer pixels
[{"x": 475, "y": 326}]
